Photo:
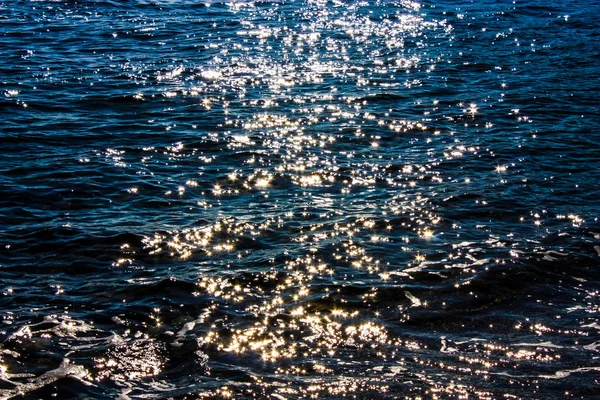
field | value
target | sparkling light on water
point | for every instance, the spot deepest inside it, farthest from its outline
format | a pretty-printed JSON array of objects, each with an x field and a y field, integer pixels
[{"x": 297, "y": 199}]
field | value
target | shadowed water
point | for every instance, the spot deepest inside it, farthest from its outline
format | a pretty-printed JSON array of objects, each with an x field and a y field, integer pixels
[{"x": 299, "y": 199}]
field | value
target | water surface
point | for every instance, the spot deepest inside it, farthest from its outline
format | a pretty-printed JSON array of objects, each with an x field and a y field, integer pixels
[{"x": 299, "y": 199}]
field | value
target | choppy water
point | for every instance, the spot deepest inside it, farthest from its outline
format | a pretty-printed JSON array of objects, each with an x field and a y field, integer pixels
[{"x": 300, "y": 199}]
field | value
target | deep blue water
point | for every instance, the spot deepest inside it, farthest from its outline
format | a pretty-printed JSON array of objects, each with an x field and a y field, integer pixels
[{"x": 300, "y": 199}]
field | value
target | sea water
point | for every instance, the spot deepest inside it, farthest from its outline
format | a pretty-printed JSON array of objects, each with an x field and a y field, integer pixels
[{"x": 300, "y": 199}]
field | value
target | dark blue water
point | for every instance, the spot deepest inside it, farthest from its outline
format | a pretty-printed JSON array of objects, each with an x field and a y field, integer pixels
[{"x": 300, "y": 199}]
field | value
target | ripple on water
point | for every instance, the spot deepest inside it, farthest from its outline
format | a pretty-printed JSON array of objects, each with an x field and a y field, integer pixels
[{"x": 299, "y": 199}]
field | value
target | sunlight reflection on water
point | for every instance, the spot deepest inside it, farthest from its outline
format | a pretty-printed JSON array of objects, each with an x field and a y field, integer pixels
[{"x": 310, "y": 199}]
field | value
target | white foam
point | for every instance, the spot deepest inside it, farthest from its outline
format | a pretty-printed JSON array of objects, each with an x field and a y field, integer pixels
[{"x": 65, "y": 370}]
